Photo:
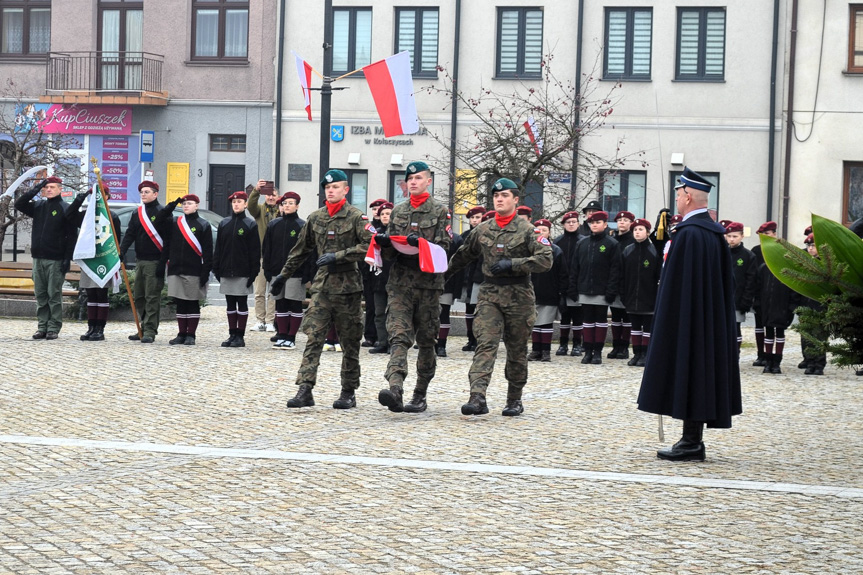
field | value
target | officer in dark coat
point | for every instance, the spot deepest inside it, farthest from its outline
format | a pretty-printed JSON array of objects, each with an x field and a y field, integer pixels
[{"x": 691, "y": 371}]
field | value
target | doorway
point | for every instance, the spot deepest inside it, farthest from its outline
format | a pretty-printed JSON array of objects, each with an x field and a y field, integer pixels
[
  {"x": 224, "y": 181},
  {"x": 121, "y": 42}
]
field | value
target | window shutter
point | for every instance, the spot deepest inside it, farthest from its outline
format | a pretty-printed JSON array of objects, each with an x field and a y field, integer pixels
[
  {"x": 616, "y": 47},
  {"x": 407, "y": 33},
  {"x": 508, "y": 55},
  {"x": 429, "y": 41},
  {"x": 533, "y": 42},
  {"x": 341, "y": 28},
  {"x": 714, "y": 45},
  {"x": 641, "y": 30},
  {"x": 688, "y": 50}
]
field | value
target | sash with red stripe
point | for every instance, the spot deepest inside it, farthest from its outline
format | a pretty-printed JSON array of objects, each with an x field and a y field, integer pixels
[
  {"x": 149, "y": 227},
  {"x": 190, "y": 236}
]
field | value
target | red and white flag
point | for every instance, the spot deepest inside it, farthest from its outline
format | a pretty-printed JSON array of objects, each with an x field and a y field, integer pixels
[
  {"x": 304, "y": 71},
  {"x": 433, "y": 258},
  {"x": 392, "y": 87},
  {"x": 533, "y": 134}
]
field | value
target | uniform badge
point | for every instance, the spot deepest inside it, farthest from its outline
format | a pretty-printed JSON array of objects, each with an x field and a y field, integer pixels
[
  {"x": 414, "y": 225},
  {"x": 412, "y": 169},
  {"x": 371, "y": 228},
  {"x": 543, "y": 240},
  {"x": 152, "y": 218},
  {"x": 500, "y": 248},
  {"x": 602, "y": 249},
  {"x": 241, "y": 231},
  {"x": 498, "y": 186},
  {"x": 293, "y": 233},
  {"x": 54, "y": 213},
  {"x": 740, "y": 262},
  {"x": 647, "y": 263},
  {"x": 328, "y": 178},
  {"x": 364, "y": 217},
  {"x": 448, "y": 216},
  {"x": 331, "y": 234},
  {"x": 449, "y": 231},
  {"x": 536, "y": 230},
  {"x": 193, "y": 229}
]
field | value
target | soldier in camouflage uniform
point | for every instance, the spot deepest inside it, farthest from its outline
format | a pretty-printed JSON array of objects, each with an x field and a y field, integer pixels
[
  {"x": 340, "y": 233},
  {"x": 414, "y": 295},
  {"x": 511, "y": 250}
]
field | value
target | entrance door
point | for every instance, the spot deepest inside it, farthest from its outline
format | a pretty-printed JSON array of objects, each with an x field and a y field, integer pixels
[
  {"x": 121, "y": 32},
  {"x": 224, "y": 181}
]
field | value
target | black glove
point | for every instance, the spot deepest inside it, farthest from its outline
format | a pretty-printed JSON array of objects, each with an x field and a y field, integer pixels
[
  {"x": 501, "y": 266},
  {"x": 383, "y": 240},
  {"x": 249, "y": 282},
  {"x": 82, "y": 196},
  {"x": 326, "y": 260},
  {"x": 174, "y": 203},
  {"x": 278, "y": 284},
  {"x": 413, "y": 240},
  {"x": 205, "y": 277},
  {"x": 64, "y": 266},
  {"x": 609, "y": 299},
  {"x": 38, "y": 187},
  {"x": 160, "y": 271},
  {"x": 122, "y": 256}
]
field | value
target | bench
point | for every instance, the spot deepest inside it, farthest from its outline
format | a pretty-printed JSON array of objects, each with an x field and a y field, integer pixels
[{"x": 24, "y": 271}]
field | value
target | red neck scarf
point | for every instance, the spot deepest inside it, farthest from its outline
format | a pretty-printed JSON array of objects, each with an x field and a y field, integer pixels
[
  {"x": 333, "y": 209},
  {"x": 503, "y": 221},
  {"x": 418, "y": 199}
]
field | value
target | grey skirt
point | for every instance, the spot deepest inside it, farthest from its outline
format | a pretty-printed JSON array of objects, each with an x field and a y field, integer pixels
[
  {"x": 740, "y": 315},
  {"x": 545, "y": 314},
  {"x": 446, "y": 299},
  {"x": 592, "y": 299},
  {"x": 235, "y": 286},
  {"x": 186, "y": 287},
  {"x": 87, "y": 283},
  {"x": 293, "y": 290},
  {"x": 571, "y": 302}
]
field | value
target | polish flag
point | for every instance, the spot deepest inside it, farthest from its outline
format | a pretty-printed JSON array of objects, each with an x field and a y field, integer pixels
[
  {"x": 433, "y": 258},
  {"x": 533, "y": 134},
  {"x": 304, "y": 71},
  {"x": 392, "y": 87}
]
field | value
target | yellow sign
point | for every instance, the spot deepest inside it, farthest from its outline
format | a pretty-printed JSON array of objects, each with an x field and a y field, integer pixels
[{"x": 177, "y": 184}]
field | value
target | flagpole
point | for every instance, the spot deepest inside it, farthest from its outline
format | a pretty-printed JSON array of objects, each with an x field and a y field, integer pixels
[{"x": 98, "y": 173}]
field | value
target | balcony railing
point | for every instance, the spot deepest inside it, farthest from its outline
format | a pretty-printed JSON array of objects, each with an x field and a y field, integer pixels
[{"x": 104, "y": 72}]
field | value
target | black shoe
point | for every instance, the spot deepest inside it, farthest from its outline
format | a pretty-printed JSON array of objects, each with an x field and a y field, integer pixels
[
  {"x": 367, "y": 343},
  {"x": 803, "y": 364},
  {"x": 768, "y": 363},
  {"x": 230, "y": 340},
  {"x": 634, "y": 360},
  {"x": 347, "y": 399},
  {"x": 179, "y": 340},
  {"x": 51, "y": 335},
  {"x": 134, "y": 337},
  {"x": 535, "y": 355},
  {"x": 642, "y": 358},
  {"x": 277, "y": 337},
  {"x": 596, "y": 358},
  {"x": 98, "y": 334},
  {"x": 303, "y": 398},
  {"x": 86, "y": 336},
  {"x": 513, "y": 408},
  {"x": 761, "y": 361},
  {"x": 588, "y": 355},
  {"x": 39, "y": 335},
  {"x": 190, "y": 340},
  {"x": 440, "y": 351},
  {"x": 815, "y": 371},
  {"x": 147, "y": 339},
  {"x": 683, "y": 451},
  {"x": 392, "y": 399},
  {"x": 471, "y": 346},
  {"x": 774, "y": 365},
  {"x": 417, "y": 403},
  {"x": 577, "y": 350},
  {"x": 380, "y": 348},
  {"x": 623, "y": 351},
  {"x": 562, "y": 350},
  {"x": 545, "y": 355},
  {"x": 613, "y": 354},
  {"x": 476, "y": 405},
  {"x": 239, "y": 341}
]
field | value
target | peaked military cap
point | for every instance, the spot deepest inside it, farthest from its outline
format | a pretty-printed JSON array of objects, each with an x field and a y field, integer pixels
[{"x": 694, "y": 180}]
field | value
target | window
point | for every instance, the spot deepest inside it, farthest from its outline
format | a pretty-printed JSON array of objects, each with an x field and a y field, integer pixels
[
  {"x": 220, "y": 30},
  {"x": 417, "y": 32},
  {"x": 712, "y": 202},
  {"x": 700, "y": 43},
  {"x": 627, "y": 43},
  {"x": 352, "y": 39},
  {"x": 519, "y": 43},
  {"x": 226, "y": 143},
  {"x": 853, "y": 192},
  {"x": 358, "y": 181},
  {"x": 624, "y": 190},
  {"x": 121, "y": 34},
  {"x": 398, "y": 189},
  {"x": 855, "y": 40},
  {"x": 25, "y": 27}
]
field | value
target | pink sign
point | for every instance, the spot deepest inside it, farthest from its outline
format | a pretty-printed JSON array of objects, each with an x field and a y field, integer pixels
[
  {"x": 115, "y": 156},
  {"x": 84, "y": 119}
]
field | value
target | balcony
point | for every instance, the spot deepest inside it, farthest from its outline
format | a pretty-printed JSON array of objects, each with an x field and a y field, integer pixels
[{"x": 129, "y": 78}]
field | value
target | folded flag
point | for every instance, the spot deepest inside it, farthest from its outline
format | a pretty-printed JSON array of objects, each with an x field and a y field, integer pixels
[
  {"x": 392, "y": 87},
  {"x": 304, "y": 71},
  {"x": 433, "y": 258}
]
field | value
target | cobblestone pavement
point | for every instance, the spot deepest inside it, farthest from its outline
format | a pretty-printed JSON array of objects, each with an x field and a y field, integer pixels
[{"x": 117, "y": 457}]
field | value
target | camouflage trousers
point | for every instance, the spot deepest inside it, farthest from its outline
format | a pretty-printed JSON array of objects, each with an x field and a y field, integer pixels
[
  {"x": 345, "y": 311},
  {"x": 506, "y": 312},
  {"x": 412, "y": 311}
]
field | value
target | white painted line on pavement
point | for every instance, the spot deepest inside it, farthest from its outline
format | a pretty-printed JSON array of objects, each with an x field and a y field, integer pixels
[{"x": 482, "y": 468}]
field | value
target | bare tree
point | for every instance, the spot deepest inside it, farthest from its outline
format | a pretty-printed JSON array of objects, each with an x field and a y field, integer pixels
[
  {"x": 497, "y": 144},
  {"x": 24, "y": 146}
]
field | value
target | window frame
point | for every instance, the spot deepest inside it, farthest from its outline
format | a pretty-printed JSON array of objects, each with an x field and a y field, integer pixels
[
  {"x": 222, "y": 6},
  {"x": 520, "y": 48},
  {"x": 846, "y": 195},
  {"x": 416, "y": 67},
  {"x": 854, "y": 10},
  {"x": 26, "y": 6},
  {"x": 352, "y": 39},
  {"x": 629, "y": 48},
  {"x": 231, "y": 139},
  {"x": 393, "y": 177},
  {"x": 713, "y": 204},
  {"x": 624, "y": 189},
  {"x": 700, "y": 76}
]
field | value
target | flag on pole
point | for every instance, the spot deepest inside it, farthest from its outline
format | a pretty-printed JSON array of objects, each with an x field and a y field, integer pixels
[
  {"x": 392, "y": 87},
  {"x": 533, "y": 134},
  {"x": 10, "y": 191},
  {"x": 304, "y": 71},
  {"x": 96, "y": 251},
  {"x": 433, "y": 258}
]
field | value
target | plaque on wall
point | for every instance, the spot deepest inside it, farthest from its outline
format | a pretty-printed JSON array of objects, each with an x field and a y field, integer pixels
[{"x": 300, "y": 172}]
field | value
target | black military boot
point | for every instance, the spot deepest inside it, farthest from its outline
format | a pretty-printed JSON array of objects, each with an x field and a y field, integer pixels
[
  {"x": 391, "y": 398},
  {"x": 642, "y": 359},
  {"x": 761, "y": 361},
  {"x": 535, "y": 354},
  {"x": 380, "y": 347},
  {"x": 577, "y": 350},
  {"x": 689, "y": 448},
  {"x": 513, "y": 402},
  {"x": 179, "y": 340},
  {"x": 440, "y": 350},
  {"x": 347, "y": 399},
  {"x": 303, "y": 398},
  {"x": 476, "y": 405},
  {"x": 623, "y": 350},
  {"x": 636, "y": 353},
  {"x": 615, "y": 347},
  {"x": 596, "y": 359},
  {"x": 774, "y": 365},
  {"x": 803, "y": 364},
  {"x": 417, "y": 404},
  {"x": 230, "y": 340},
  {"x": 546, "y": 354},
  {"x": 768, "y": 363},
  {"x": 471, "y": 345},
  {"x": 90, "y": 328},
  {"x": 562, "y": 350},
  {"x": 588, "y": 353},
  {"x": 239, "y": 338},
  {"x": 98, "y": 333}
]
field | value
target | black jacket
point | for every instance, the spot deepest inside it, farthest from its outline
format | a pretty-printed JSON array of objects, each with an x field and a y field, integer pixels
[
  {"x": 473, "y": 273},
  {"x": 745, "y": 268},
  {"x": 454, "y": 284},
  {"x": 624, "y": 240},
  {"x": 550, "y": 286},
  {"x": 594, "y": 268},
  {"x": 52, "y": 237},
  {"x": 641, "y": 268},
  {"x": 238, "y": 248},
  {"x": 776, "y": 301},
  {"x": 380, "y": 280},
  {"x": 279, "y": 239},
  {"x": 145, "y": 249},
  {"x": 567, "y": 242},
  {"x": 181, "y": 258}
]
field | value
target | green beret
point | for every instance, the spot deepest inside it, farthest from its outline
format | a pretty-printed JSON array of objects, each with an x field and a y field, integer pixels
[
  {"x": 504, "y": 184},
  {"x": 415, "y": 167},
  {"x": 334, "y": 176}
]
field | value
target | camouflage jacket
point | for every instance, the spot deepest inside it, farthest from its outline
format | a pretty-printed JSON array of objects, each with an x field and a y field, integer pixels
[
  {"x": 517, "y": 241},
  {"x": 347, "y": 235},
  {"x": 430, "y": 221}
]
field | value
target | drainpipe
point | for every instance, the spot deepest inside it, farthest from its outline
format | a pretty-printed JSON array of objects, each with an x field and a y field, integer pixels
[
  {"x": 786, "y": 195},
  {"x": 771, "y": 146},
  {"x": 281, "y": 64},
  {"x": 454, "y": 105},
  {"x": 578, "y": 42}
]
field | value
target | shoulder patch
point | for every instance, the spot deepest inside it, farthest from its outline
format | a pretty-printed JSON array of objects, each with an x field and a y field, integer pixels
[
  {"x": 543, "y": 240},
  {"x": 369, "y": 227},
  {"x": 365, "y": 217}
]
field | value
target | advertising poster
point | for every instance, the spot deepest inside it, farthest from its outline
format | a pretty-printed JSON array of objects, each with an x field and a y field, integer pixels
[{"x": 119, "y": 159}]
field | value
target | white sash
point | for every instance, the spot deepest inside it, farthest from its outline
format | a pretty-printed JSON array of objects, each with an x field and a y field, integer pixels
[
  {"x": 190, "y": 236},
  {"x": 149, "y": 227}
]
